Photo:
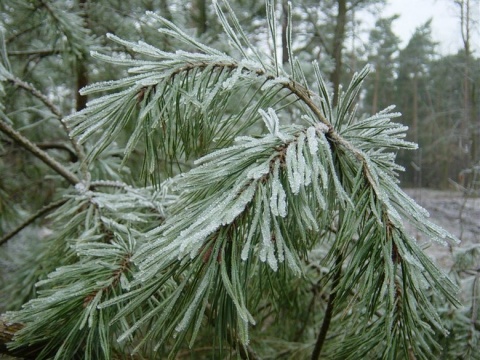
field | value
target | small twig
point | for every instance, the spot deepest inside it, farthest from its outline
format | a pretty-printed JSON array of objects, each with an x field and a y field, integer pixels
[
  {"x": 306, "y": 318},
  {"x": 329, "y": 312},
  {"x": 39, "y": 52},
  {"x": 44, "y": 210},
  {"x": 246, "y": 352},
  {"x": 59, "y": 146},
  {"x": 49, "y": 52},
  {"x": 39, "y": 153},
  {"x": 460, "y": 216},
  {"x": 35, "y": 92},
  {"x": 474, "y": 302},
  {"x": 51, "y": 106}
]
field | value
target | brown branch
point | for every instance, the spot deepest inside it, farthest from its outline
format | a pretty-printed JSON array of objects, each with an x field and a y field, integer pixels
[
  {"x": 44, "y": 210},
  {"x": 329, "y": 312},
  {"x": 305, "y": 96},
  {"x": 39, "y": 153}
]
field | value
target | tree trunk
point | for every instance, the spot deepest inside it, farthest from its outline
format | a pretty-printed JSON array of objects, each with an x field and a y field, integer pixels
[
  {"x": 81, "y": 67},
  {"x": 415, "y": 108},
  {"x": 199, "y": 8},
  {"x": 475, "y": 133},
  {"x": 469, "y": 123},
  {"x": 375, "y": 91},
  {"x": 284, "y": 31},
  {"x": 82, "y": 81},
  {"x": 338, "y": 39},
  {"x": 165, "y": 10}
]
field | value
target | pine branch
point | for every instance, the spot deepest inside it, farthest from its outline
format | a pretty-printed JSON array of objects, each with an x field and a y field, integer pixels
[
  {"x": 247, "y": 207},
  {"x": 39, "y": 153},
  {"x": 44, "y": 210}
]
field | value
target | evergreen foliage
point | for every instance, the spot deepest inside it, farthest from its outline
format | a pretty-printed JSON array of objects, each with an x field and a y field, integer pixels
[{"x": 257, "y": 192}]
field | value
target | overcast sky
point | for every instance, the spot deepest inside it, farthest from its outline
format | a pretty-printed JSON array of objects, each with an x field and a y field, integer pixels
[{"x": 445, "y": 24}]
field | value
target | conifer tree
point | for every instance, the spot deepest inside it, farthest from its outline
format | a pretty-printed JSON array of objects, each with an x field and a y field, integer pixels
[{"x": 270, "y": 223}]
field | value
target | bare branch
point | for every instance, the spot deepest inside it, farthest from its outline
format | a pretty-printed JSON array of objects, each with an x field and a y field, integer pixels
[
  {"x": 35, "y": 92},
  {"x": 44, "y": 210},
  {"x": 329, "y": 312},
  {"x": 59, "y": 146},
  {"x": 35, "y": 52},
  {"x": 39, "y": 153},
  {"x": 54, "y": 109}
]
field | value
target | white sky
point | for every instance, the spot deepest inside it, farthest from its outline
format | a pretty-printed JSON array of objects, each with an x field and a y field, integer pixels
[{"x": 445, "y": 24}]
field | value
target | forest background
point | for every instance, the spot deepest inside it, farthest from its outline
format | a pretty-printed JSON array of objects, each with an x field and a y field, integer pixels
[{"x": 436, "y": 93}]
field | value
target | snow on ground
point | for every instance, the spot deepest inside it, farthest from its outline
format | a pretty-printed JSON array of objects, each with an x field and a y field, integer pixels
[{"x": 453, "y": 211}]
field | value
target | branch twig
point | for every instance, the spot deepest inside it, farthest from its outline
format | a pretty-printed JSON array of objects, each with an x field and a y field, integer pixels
[
  {"x": 51, "y": 106},
  {"x": 32, "y": 90},
  {"x": 44, "y": 210},
  {"x": 39, "y": 153},
  {"x": 59, "y": 146},
  {"x": 35, "y": 52},
  {"x": 329, "y": 312}
]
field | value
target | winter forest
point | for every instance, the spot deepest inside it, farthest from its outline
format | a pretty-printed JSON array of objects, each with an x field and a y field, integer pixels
[{"x": 214, "y": 179}]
